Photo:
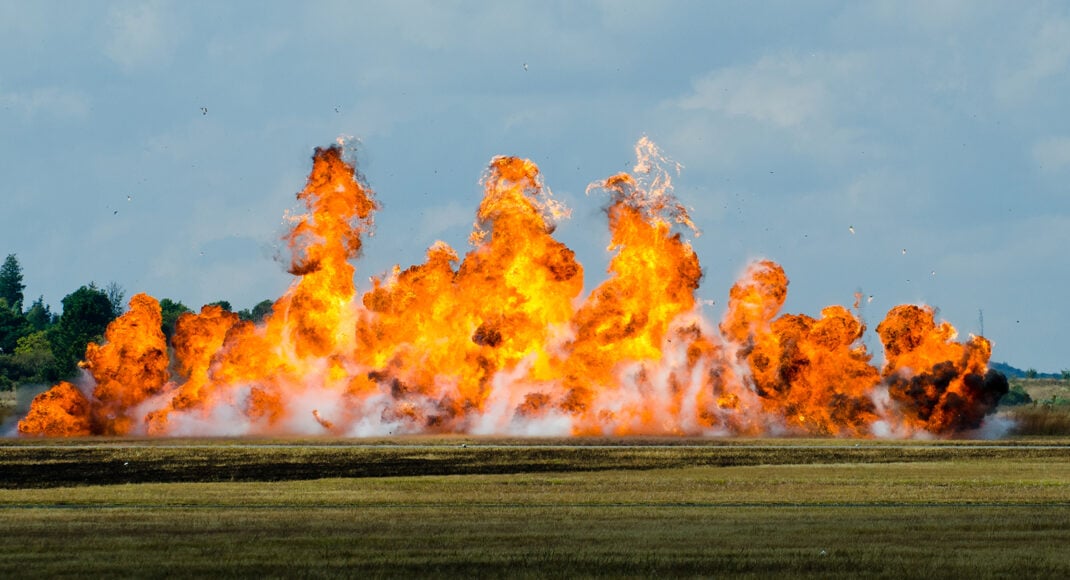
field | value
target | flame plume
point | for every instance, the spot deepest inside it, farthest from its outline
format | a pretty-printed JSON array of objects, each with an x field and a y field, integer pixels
[{"x": 500, "y": 341}]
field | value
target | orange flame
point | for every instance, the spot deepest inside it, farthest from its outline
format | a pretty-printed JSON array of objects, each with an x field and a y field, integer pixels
[{"x": 500, "y": 341}]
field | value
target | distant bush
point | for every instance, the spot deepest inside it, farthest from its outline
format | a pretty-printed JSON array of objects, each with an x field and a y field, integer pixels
[{"x": 1016, "y": 396}]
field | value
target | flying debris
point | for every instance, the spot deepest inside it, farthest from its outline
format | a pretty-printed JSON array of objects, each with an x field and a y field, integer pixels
[
  {"x": 204, "y": 110},
  {"x": 904, "y": 251},
  {"x": 525, "y": 66},
  {"x": 851, "y": 229},
  {"x": 502, "y": 339}
]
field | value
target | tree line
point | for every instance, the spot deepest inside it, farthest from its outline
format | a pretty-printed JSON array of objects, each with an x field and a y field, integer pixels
[{"x": 39, "y": 346}]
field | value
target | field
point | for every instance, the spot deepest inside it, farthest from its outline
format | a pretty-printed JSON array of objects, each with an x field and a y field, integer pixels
[{"x": 494, "y": 507}]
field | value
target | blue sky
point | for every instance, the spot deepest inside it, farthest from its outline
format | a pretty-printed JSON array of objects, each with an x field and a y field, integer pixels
[{"x": 939, "y": 128}]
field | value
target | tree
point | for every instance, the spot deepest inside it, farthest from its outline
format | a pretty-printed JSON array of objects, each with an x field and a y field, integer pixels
[
  {"x": 34, "y": 356},
  {"x": 258, "y": 313},
  {"x": 40, "y": 316},
  {"x": 222, "y": 304},
  {"x": 116, "y": 295},
  {"x": 11, "y": 285},
  {"x": 171, "y": 310},
  {"x": 1031, "y": 373},
  {"x": 12, "y": 326},
  {"x": 86, "y": 314}
]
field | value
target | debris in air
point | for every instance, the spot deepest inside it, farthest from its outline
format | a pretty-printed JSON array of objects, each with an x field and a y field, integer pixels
[
  {"x": 525, "y": 66},
  {"x": 204, "y": 110},
  {"x": 851, "y": 229},
  {"x": 904, "y": 251}
]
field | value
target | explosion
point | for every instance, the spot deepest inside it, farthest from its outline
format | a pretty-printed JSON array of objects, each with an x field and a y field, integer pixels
[{"x": 502, "y": 342}]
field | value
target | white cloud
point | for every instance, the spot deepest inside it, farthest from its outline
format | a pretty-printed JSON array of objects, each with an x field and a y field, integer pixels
[
  {"x": 140, "y": 35},
  {"x": 1052, "y": 154},
  {"x": 782, "y": 90},
  {"x": 780, "y": 103},
  {"x": 1047, "y": 54},
  {"x": 777, "y": 90},
  {"x": 49, "y": 101}
]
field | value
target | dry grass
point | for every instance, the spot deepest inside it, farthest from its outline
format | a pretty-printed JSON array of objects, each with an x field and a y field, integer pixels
[{"x": 1042, "y": 420}]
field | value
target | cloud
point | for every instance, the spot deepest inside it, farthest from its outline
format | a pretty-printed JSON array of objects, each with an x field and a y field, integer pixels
[
  {"x": 48, "y": 101},
  {"x": 1047, "y": 55},
  {"x": 783, "y": 103},
  {"x": 141, "y": 35},
  {"x": 783, "y": 91},
  {"x": 1052, "y": 154}
]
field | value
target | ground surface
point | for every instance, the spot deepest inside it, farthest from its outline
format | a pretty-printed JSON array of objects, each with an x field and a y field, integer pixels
[{"x": 464, "y": 506}]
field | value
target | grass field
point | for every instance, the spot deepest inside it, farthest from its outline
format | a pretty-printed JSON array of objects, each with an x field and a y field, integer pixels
[{"x": 496, "y": 508}]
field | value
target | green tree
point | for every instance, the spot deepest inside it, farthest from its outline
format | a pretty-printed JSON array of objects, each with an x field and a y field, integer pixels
[
  {"x": 86, "y": 314},
  {"x": 40, "y": 316},
  {"x": 225, "y": 305},
  {"x": 12, "y": 326},
  {"x": 258, "y": 313},
  {"x": 11, "y": 285},
  {"x": 1065, "y": 374},
  {"x": 34, "y": 356},
  {"x": 116, "y": 295},
  {"x": 1031, "y": 373},
  {"x": 171, "y": 310}
]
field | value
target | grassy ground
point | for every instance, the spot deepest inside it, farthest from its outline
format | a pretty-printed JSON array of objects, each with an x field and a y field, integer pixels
[{"x": 710, "y": 508}]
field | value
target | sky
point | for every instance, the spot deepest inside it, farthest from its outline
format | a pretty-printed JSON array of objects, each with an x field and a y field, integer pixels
[{"x": 917, "y": 152}]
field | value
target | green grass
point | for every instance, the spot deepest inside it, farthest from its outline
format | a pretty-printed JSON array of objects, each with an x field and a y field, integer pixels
[{"x": 542, "y": 509}]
